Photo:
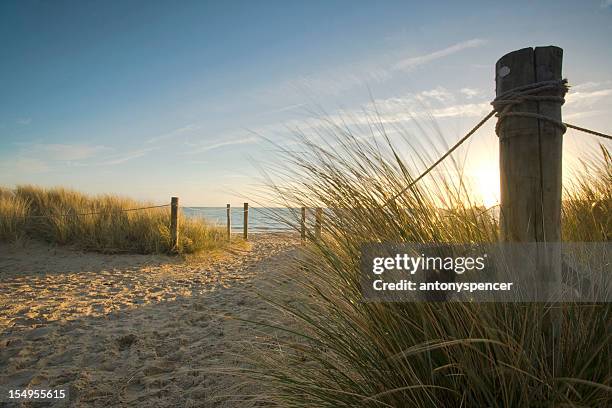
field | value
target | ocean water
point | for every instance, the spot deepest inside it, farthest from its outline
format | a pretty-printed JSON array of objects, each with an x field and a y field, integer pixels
[
  {"x": 261, "y": 219},
  {"x": 265, "y": 219}
]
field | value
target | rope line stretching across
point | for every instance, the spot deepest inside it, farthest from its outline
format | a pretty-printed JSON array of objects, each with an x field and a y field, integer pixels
[
  {"x": 502, "y": 108},
  {"x": 95, "y": 213},
  {"x": 221, "y": 210}
]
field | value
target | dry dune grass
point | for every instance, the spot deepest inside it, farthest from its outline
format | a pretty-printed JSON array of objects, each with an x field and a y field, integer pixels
[
  {"x": 51, "y": 215},
  {"x": 345, "y": 352},
  {"x": 587, "y": 209}
]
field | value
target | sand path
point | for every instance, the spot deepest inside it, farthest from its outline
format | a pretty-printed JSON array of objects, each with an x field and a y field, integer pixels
[{"x": 130, "y": 330}]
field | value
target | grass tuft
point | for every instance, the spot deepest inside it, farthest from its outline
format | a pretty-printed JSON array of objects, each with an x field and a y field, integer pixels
[
  {"x": 335, "y": 350},
  {"x": 52, "y": 215}
]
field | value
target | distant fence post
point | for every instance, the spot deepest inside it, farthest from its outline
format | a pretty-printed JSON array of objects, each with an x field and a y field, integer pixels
[
  {"x": 245, "y": 232},
  {"x": 174, "y": 225},
  {"x": 229, "y": 223},
  {"x": 318, "y": 222},
  {"x": 303, "y": 224},
  {"x": 530, "y": 159}
]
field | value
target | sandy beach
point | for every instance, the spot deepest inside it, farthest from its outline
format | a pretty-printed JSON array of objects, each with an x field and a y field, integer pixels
[{"x": 131, "y": 330}]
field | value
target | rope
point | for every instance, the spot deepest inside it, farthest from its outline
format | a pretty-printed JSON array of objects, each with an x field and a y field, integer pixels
[
  {"x": 592, "y": 132},
  {"x": 131, "y": 209},
  {"x": 234, "y": 210},
  {"x": 94, "y": 213},
  {"x": 146, "y": 208},
  {"x": 200, "y": 209},
  {"x": 502, "y": 106},
  {"x": 452, "y": 149},
  {"x": 506, "y": 101}
]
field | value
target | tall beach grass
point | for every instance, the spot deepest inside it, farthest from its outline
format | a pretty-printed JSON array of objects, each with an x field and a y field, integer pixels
[
  {"x": 98, "y": 223},
  {"x": 587, "y": 208},
  {"x": 335, "y": 350}
]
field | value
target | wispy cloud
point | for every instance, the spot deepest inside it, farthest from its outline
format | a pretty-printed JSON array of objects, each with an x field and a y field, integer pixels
[
  {"x": 583, "y": 114},
  {"x": 589, "y": 96},
  {"x": 588, "y": 86},
  {"x": 470, "y": 93},
  {"x": 175, "y": 133},
  {"x": 606, "y": 4},
  {"x": 587, "y": 100},
  {"x": 24, "y": 121},
  {"x": 438, "y": 103},
  {"x": 42, "y": 158},
  {"x": 283, "y": 109},
  {"x": 125, "y": 157},
  {"x": 45, "y": 157},
  {"x": 575, "y": 97},
  {"x": 413, "y": 62},
  {"x": 66, "y": 152},
  {"x": 462, "y": 110},
  {"x": 208, "y": 146},
  {"x": 342, "y": 78},
  {"x": 26, "y": 165},
  {"x": 439, "y": 94}
]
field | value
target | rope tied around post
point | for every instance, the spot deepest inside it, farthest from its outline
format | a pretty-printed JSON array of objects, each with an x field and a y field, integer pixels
[{"x": 505, "y": 102}]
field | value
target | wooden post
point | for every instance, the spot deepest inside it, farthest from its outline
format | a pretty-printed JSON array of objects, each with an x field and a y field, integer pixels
[
  {"x": 245, "y": 227},
  {"x": 318, "y": 222},
  {"x": 174, "y": 223},
  {"x": 229, "y": 223},
  {"x": 303, "y": 224},
  {"x": 530, "y": 159}
]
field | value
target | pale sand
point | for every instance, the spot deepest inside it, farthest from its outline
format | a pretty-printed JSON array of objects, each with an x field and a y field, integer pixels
[{"x": 131, "y": 330}]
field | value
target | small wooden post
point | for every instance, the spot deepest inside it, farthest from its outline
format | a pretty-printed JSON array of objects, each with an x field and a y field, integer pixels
[
  {"x": 174, "y": 223},
  {"x": 229, "y": 223},
  {"x": 318, "y": 222},
  {"x": 303, "y": 224},
  {"x": 245, "y": 232},
  {"x": 530, "y": 160}
]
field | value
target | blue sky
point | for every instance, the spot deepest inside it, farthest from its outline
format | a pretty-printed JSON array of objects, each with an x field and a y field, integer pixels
[{"x": 153, "y": 99}]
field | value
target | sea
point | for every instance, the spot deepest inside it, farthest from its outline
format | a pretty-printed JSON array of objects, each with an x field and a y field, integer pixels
[
  {"x": 261, "y": 219},
  {"x": 267, "y": 219}
]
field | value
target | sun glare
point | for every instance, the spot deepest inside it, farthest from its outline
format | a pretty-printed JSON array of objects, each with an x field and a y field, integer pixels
[{"x": 486, "y": 184}]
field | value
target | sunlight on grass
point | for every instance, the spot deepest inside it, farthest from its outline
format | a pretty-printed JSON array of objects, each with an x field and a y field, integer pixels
[
  {"x": 52, "y": 215},
  {"x": 334, "y": 349}
]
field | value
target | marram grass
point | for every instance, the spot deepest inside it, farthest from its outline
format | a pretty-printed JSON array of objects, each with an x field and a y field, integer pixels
[
  {"x": 332, "y": 349},
  {"x": 51, "y": 215}
]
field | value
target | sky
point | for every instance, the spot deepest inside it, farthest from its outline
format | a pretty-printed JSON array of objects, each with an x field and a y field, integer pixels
[{"x": 152, "y": 99}]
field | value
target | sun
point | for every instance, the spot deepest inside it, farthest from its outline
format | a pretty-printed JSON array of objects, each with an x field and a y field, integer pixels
[{"x": 486, "y": 184}]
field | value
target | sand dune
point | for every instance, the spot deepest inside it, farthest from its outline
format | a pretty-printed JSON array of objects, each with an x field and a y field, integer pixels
[{"x": 130, "y": 330}]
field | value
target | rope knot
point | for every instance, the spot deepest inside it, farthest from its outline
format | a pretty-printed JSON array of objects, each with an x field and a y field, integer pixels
[{"x": 503, "y": 104}]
